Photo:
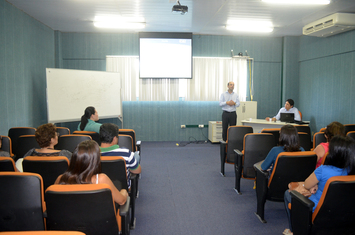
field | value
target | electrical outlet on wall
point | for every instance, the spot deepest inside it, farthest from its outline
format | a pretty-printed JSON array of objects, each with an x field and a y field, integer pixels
[
  {"x": 200, "y": 126},
  {"x": 183, "y": 126}
]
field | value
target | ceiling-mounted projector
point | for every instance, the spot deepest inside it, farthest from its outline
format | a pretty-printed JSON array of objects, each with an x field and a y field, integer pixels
[{"x": 178, "y": 8}]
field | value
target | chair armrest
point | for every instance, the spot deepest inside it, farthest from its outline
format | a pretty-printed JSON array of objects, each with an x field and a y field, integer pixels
[
  {"x": 124, "y": 209},
  {"x": 238, "y": 152},
  {"x": 257, "y": 167},
  {"x": 124, "y": 213},
  {"x": 239, "y": 159},
  {"x": 262, "y": 179},
  {"x": 301, "y": 213},
  {"x": 138, "y": 145}
]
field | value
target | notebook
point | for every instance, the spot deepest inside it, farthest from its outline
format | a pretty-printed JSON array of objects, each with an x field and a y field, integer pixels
[{"x": 287, "y": 117}]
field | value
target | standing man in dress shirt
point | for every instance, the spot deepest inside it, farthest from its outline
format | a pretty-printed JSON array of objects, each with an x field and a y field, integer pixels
[{"x": 229, "y": 102}]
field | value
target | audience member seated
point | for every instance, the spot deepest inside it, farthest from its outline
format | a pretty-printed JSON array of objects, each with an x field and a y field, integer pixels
[
  {"x": 85, "y": 168},
  {"x": 287, "y": 109},
  {"x": 333, "y": 129},
  {"x": 288, "y": 142},
  {"x": 89, "y": 120},
  {"x": 47, "y": 138},
  {"x": 340, "y": 161},
  {"x": 3, "y": 153},
  {"x": 109, "y": 147}
]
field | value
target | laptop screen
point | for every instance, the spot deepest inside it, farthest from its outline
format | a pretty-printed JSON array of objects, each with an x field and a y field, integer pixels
[{"x": 287, "y": 117}]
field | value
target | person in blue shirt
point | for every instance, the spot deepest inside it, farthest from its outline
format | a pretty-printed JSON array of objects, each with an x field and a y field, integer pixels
[
  {"x": 288, "y": 142},
  {"x": 89, "y": 120},
  {"x": 340, "y": 161},
  {"x": 229, "y": 101}
]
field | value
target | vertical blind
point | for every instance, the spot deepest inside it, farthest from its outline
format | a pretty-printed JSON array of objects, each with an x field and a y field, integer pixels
[{"x": 210, "y": 78}]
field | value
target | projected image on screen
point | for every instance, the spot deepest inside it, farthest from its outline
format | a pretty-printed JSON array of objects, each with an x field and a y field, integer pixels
[{"x": 165, "y": 57}]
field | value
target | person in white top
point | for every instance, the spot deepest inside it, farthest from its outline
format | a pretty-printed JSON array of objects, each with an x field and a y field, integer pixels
[
  {"x": 287, "y": 109},
  {"x": 85, "y": 167}
]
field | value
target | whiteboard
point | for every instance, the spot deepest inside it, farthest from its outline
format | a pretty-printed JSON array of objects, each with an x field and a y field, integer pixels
[{"x": 70, "y": 91}]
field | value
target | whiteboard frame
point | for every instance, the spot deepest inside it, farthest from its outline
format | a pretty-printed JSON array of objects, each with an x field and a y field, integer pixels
[{"x": 70, "y": 91}]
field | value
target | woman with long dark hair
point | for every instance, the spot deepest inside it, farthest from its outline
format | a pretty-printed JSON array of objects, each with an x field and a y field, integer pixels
[
  {"x": 340, "y": 161},
  {"x": 85, "y": 168},
  {"x": 89, "y": 120},
  {"x": 288, "y": 142}
]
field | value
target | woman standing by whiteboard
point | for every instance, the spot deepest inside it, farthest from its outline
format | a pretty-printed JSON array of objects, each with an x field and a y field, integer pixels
[{"x": 89, "y": 120}]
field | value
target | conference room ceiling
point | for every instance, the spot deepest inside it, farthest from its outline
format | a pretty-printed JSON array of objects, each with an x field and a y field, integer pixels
[{"x": 203, "y": 17}]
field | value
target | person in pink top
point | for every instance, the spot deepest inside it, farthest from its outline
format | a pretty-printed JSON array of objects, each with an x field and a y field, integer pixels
[{"x": 333, "y": 129}]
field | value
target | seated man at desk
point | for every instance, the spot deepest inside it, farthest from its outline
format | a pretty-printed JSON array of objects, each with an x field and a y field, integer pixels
[{"x": 287, "y": 109}]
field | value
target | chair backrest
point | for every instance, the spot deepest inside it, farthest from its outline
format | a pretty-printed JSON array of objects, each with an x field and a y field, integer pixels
[
  {"x": 131, "y": 133},
  {"x": 235, "y": 140},
  {"x": 349, "y": 127},
  {"x": 115, "y": 168},
  {"x": 25, "y": 143},
  {"x": 304, "y": 128},
  {"x": 48, "y": 167},
  {"x": 69, "y": 142},
  {"x": 256, "y": 148},
  {"x": 318, "y": 138},
  {"x": 300, "y": 114},
  {"x": 88, "y": 208},
  {"x": 336, "y": 205},
  {"x": 15, "y": 133},
  {"x": 94, "y": 135},
  {"x": 6, "y": 145},
  {"x": 290, "y": 167},
  {"x": 305, "y": 141},
  {"x": 322, "y": 129},
  {"x": 22, "y": 203},
  {"x": 126, "y": 141},
  {"x": 351, "y": 134},
  {"x": 63, "y": 130},
  {"x": 275, "y": 132},
  {"x": 7, "y": 164}
]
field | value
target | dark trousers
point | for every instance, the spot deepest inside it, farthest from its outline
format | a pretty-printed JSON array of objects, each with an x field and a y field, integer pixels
[{"x": 228, "y": 119}]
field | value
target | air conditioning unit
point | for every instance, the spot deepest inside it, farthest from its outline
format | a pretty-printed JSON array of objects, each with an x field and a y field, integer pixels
[{"x": 330, "y": 25}]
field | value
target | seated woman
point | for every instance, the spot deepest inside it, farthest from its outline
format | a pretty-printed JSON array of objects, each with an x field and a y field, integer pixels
[
  {"x": 340, "y": 161},
  {"x": 89, "y": 120},
  {"x": 333, "y": 129},
  {"x": 288, "y": 142},
  {"x": 3, "y": 153},
  {"x": 46, "y": 137},
  {"x": 85, "y": 167}
]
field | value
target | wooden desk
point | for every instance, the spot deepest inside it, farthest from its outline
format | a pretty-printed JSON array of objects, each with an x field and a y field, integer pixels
[{"x": 259, "y": 124}]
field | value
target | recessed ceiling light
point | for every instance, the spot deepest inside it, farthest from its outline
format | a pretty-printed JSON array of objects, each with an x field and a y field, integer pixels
[
  {"x": 250, "y": 26},
  {"x": 116, "y": 22},
  {"x": 299, "y": 2}
]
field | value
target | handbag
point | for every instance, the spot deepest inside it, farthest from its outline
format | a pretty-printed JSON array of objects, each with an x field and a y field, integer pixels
[{"x": 299, "y": 187}]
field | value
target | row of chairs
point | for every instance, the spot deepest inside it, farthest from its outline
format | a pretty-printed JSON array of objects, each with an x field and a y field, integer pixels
[
  {"x": 21, "y": 139},
  {"x": 289, "y": 167},
  {"x": 88, "y": 208}
]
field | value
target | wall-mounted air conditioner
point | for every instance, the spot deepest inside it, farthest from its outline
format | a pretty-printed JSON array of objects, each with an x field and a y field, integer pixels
[{"x": 330, "y": 25}]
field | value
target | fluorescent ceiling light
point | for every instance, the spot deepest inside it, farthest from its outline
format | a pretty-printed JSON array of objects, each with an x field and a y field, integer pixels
[
  {"x": 299, "y": 2},
  {"x": 116, "y": 22},
  {"x": 250, "y": 26}
]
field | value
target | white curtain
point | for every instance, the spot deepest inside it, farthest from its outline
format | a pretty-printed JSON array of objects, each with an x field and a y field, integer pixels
[
  {"x": 210, "y": 78},
  {"x": 128, "y": 68}
]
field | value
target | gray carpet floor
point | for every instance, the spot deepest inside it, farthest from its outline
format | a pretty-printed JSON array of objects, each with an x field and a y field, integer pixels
[{"x": 182, "y": 192}]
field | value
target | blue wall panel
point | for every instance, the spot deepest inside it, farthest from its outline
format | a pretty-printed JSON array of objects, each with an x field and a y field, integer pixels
[
  {"x": 327, "y": 79},
  {"x": 26, "y": 49}
]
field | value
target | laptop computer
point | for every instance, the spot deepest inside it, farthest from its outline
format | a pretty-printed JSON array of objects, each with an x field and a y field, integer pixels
[{"x": 287, "y": 117}]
